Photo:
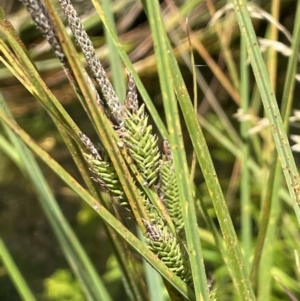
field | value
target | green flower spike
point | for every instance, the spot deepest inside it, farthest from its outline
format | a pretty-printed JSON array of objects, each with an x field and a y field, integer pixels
[
  {"x": 103, "y": 171},
  {"x": 138, "y": 138},
  {"x": 168, "y": 187},
  {"x": 167, "y": 248}
]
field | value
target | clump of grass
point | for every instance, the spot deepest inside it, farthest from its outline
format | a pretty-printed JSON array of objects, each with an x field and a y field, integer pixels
[{"x": 157, "y": 187}]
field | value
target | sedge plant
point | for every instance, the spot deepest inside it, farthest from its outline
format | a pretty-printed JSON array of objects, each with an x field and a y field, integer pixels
[{"x": 128, "y": 164}]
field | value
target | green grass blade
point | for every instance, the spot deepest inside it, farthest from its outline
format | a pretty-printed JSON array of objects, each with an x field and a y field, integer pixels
[
  {"x": 8, "y": 149},
  {"x": 15, "y": 274},
  {"x": 236, "y": 261},
  {"x": 270, "y": 104},
  {"x": 266, "y": 236},
  {"x": 271, "y": 210},
  {"x": 246, "y": 231},
  {"x": 173, "y": 121}
]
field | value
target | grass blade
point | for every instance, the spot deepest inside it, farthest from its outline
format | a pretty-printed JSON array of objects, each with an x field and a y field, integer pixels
[
  {"x": 173, "y": 121},
  {"x": 237, "y": 265},
  {"x": 15, "y": 274},
  {"x": 270, "y": 104}
]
